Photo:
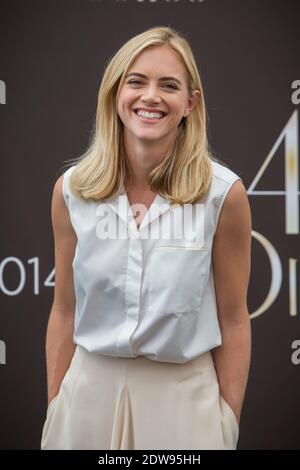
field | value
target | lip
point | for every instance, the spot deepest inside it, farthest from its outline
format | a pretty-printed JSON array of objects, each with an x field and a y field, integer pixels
[
  {"x": 151, "y": 110},
  {"x": 149, "y": 120}
]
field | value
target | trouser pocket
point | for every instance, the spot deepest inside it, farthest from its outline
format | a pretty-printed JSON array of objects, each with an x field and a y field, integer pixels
[
  {"x": 58, "y": 407},
  {"x": 230, "y": 425}
]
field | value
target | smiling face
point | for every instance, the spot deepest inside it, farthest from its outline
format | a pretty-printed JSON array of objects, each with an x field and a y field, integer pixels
[{"x": 157, "y": 82}]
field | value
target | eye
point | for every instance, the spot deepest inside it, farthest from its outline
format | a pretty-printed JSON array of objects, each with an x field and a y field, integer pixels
[
  {"x": 170, "y": 85},
  {"x": 134, "y": 81}
]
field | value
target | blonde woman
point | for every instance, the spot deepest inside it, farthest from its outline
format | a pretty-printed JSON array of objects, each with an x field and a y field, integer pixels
[{"x": 148, "y": 341}]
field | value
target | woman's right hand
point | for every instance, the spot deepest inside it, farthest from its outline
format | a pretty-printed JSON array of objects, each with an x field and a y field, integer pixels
[{"x": 51, "y": 397}]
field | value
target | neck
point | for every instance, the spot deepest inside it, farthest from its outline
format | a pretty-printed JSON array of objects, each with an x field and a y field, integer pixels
[{"x": 142, "y": 158}]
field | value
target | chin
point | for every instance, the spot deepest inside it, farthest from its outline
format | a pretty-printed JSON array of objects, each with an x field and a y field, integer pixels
[{"x": 149, "y": 133}]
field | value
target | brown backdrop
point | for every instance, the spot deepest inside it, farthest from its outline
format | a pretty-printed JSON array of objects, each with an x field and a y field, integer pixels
[{"x": 52, "y": 57}]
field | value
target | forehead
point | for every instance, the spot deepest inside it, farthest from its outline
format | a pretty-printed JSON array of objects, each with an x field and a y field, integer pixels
[{"x": 169, "y": 60}]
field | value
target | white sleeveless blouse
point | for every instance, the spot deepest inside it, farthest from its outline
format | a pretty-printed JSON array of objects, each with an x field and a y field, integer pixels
[{"x": 147, "y": 291}]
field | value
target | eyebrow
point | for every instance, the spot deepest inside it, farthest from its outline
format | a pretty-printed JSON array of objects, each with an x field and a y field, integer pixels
[{"x": 161, "y": 78}]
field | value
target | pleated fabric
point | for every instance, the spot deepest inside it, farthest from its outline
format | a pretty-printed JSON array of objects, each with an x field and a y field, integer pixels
[{"x": 114, "y": 403}]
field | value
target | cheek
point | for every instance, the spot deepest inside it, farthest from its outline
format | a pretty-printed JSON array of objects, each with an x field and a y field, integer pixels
[
  {"x": 122, "y": 107},
  {"x": 178, "y": 113},
  {"x": 123, "y": 98},
  {"x": 126, "y": 96},
  {"x": 118, "y": 108},
  {"x": 176, "y": 108},
  {"x": 119, "y": 104}
]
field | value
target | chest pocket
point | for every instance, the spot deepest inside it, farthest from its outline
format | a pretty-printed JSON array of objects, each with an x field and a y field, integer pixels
[{"x": 177, "y": 276}]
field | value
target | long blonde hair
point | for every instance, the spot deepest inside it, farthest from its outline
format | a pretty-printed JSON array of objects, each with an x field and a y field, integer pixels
[{"x": 185, "y": 173}]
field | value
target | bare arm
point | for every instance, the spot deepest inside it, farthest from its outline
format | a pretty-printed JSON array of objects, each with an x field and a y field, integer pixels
[
  {"x": 231, "y": 259},
  {"x": 59, "y": 339}
]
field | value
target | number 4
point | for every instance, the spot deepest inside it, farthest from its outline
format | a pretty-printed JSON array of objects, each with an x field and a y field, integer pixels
[{"x": 291, "y": 158}]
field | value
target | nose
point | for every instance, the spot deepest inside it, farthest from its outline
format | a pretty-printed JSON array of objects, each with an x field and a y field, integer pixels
[{"x": 151, "y": 94}]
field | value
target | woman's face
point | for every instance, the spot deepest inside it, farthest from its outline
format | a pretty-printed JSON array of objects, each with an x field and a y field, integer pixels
[{"x": 155, "y": 93}]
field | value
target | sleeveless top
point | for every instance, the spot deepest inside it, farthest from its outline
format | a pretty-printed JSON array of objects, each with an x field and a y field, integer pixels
[{"x": 147, "y": 291}]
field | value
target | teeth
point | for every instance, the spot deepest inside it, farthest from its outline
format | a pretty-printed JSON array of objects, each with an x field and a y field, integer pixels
[{"x": 149, "y": 115}]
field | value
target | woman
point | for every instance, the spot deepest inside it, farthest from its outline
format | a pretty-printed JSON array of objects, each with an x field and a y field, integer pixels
[{"x": 148, "y": 341}]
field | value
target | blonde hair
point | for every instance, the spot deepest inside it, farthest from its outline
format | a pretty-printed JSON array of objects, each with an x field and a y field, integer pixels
[{"x": 185, "y": 173}]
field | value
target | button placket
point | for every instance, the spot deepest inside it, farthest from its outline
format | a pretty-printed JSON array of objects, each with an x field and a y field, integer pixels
[{"x": 132, "y": 294}]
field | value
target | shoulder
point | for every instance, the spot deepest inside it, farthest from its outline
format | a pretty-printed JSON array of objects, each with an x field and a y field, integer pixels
[
  {"x": 63, "y": 182},
  {"x": 230, "y": 194},
  {"x": 235, "y": 216},
  {"x": 222, "y": 173},
  {"x": 62, "y": 179},
  {"x": 67, "y": 173},
  {"x": 60, "y": 208},
  {"x": 236, "y": 196},
  {"x": 58, "y": 188},
  {"x": 60, "y": 191},
  {"x": 226, "y": 191}
]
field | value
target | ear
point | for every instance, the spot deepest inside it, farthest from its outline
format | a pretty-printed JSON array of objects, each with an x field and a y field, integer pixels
[{"x": 192, "y": 102}]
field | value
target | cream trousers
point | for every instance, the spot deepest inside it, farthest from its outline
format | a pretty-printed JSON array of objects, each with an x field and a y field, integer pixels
[{"x": 107, "y": 402}]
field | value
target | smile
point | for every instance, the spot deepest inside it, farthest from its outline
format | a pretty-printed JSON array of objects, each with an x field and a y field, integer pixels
[{"x": 144, "y": 118}]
